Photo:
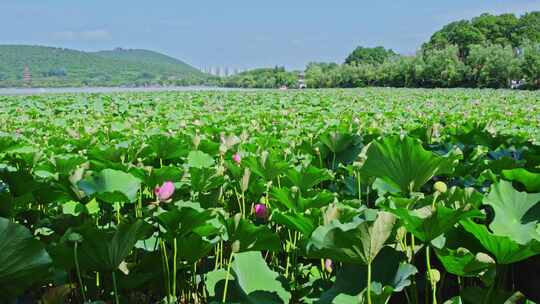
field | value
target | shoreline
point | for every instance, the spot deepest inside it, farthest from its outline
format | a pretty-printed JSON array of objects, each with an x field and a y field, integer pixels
[{"x": 90, "y": 90}]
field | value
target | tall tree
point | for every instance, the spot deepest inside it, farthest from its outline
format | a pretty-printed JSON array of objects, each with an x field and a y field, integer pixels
[{"x": 376, "y": 55}]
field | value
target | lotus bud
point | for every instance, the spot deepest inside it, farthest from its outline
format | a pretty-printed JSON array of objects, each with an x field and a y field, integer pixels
[
  {"x": 317, "y": 151},
  {"x": 261, "y": 212},
  {"x": 332, "y": 213},
  {"x": 328, "y": 265},
  {"x": 165, "y": 192},
  {"x": 244, "y": 136},
  {"x": 236, "y": 246},
  {"x": 222, "y": 149},
  {"x": 196, "y": 141},
  {"x": 220, "y": 171},
  {"x": 237, "y": 158},
  {"x": 294, "y": 189},
  {"x": 245, "y": 180},
  {"x": 222, "y": 137},
  {"x": 440, "y": 187},
  {"x": 264, "y": 157},
  {"x": 401, "y": 233}
]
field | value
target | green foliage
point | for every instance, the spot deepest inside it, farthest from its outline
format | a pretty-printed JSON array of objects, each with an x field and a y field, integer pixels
[
  {"x": 531, "y": 64},
  {"x": 503, "y": 30},
  {"x": 376, "y": 55},
  {"x": 64, "y": 67},
  {"x": 488, "y": 51},
  {"x": 493, "y": 66},
  {"x": 262, "y": 78},
  {"x": 336, "y": 196}
]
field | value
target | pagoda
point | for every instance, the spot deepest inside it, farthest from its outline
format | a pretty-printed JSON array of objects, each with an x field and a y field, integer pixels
[{"x": 27, "y": 77}]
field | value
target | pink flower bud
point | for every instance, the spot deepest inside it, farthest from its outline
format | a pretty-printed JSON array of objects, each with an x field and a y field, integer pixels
[
  {"x": 164, "y": 192},
  {"x": 261, "y": 212},
  {"x": 328, "y": 265},
  {"x": 237, "y": 158}
]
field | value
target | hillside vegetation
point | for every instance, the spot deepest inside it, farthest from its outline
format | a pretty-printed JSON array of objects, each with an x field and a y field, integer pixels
[{"x": 50, "y": 66}]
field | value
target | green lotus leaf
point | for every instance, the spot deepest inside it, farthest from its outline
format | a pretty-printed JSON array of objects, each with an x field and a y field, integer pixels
[
  {"x": 530, "y": 180},
  {"x": 111, "y": 186},
  {"x": 199, "y": 159},
  {"x": 23, "y": 259},
  {"x": 258, "y": 283},
  {"x": 295, "y": 221},
  {"x": 504, "y": 249},
  {"x": 427, "y": 223},
  {"x": 104, "y": 250},
  {"x": 307, "y": 178},
  {"x": 247, "y": 236},
  {"x": 516, "y": 213},
  {"x": 357, "y": 241},
  {"x": 403, "y": 163},
  {"x": 461, "y": 254},
  {"x": 392, "y": 275}
]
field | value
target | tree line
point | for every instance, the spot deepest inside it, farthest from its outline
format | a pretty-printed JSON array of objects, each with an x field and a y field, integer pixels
[{"x": 485, "y": 52}]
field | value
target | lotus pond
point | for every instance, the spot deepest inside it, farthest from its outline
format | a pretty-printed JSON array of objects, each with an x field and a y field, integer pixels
[{"x": 332, "y": 196}]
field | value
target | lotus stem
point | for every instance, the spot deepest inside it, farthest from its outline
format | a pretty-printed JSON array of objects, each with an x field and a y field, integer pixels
[
  {"x": 116, "y": 298},
  {"x": 78, "y": 269},
  {"x": 369, "y": 282},
  {"x": 175, "y": 255},
  {"x": 227, "y": 278},
  {"x": 359, "y": 189},
  {"x": 431, "y": 281},
  {"x": 166, "y": 270}
]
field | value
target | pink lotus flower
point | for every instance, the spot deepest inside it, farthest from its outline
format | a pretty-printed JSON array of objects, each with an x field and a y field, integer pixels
[
  {"x": 164, "y": 192},
  {"x": 237, "y": 158},
  {"x": 261, "y": 212}
]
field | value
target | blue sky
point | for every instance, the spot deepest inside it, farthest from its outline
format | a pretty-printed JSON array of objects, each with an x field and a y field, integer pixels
[{"x": 239, "y": 33}]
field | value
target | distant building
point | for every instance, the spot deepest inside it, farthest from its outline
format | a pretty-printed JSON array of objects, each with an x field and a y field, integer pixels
[
  {"x": 27, "y": 77},
  {"x": 302, "y": 80}
]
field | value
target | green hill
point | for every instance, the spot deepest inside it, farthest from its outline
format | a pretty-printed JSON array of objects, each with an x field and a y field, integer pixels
[{"x": 53, "y": 67}]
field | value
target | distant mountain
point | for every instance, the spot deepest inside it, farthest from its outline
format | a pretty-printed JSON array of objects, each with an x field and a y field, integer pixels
[{"x": 53, "y": 67}]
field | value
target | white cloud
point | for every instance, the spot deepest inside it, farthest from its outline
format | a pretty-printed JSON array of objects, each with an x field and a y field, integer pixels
[{"x": 89, "y": 35}]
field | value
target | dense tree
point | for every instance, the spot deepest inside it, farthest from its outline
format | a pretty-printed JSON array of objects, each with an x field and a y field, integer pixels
[
  {"x": 364, "y": 55},
  {"x": 528, "y": 28},
  {"x": 442, "y": 68},
  {"x": 493, "y": 66},
  {"x": 498, "y": 29},
  {"x": 262, "y": 78},
  {"x": 531, "y": 64},
  {"x": 460, "y": 33},
  {"x": 505, "y": 30}
]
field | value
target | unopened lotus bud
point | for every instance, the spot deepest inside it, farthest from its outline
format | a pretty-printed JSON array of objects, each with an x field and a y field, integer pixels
[
  {"x": 222, "y": 149},
  {"x": 222, "y": 138},
  {"x": 220, "y": 171},
  {"x": 261, "y": 212},
  {"x": 401, "y": 233},
  {"x": 317, "y": 151},
  {"x": 244, "y": 136},
  {"x": 328, "y": 265},
  {"x": 236, "y": 246},
  {"x": 196, "y": 141},
  {"x": 245, "y": 179},
  {"x": 294, "y": 189},
  {"x": 440, "y": 187},
  {"x": 264, "y": 157},
  {"x": 237, "y": 158},
  {"x": 332, "y": 213}
]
